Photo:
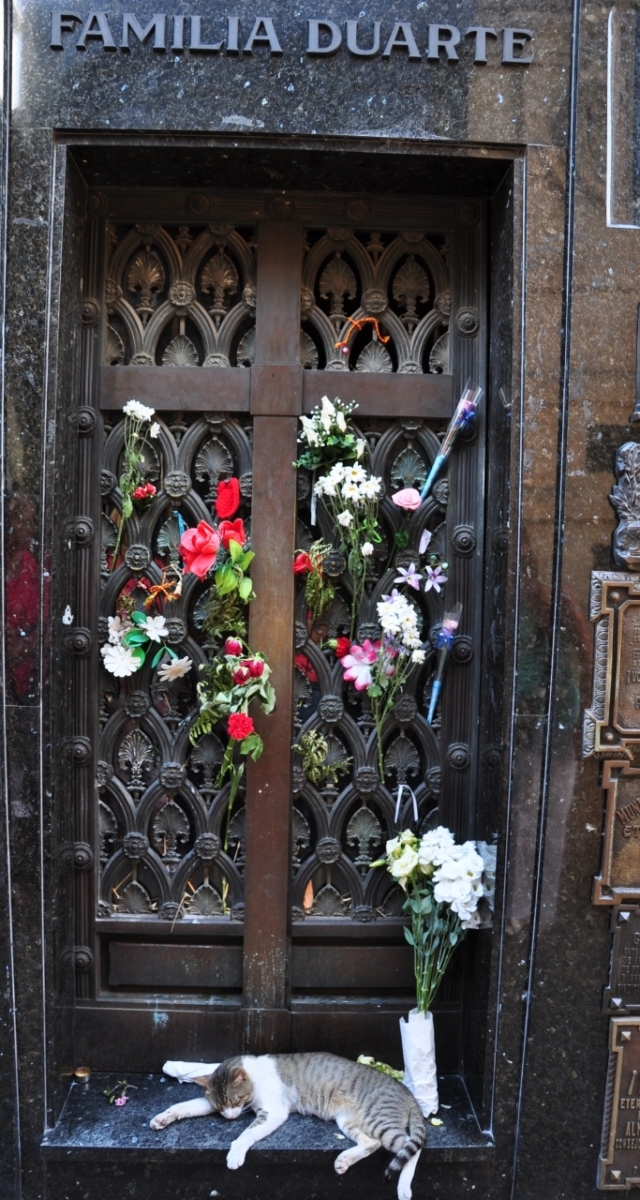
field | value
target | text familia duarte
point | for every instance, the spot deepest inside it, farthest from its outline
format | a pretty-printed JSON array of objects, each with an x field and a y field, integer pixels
[{"x": 438, "y": 43}]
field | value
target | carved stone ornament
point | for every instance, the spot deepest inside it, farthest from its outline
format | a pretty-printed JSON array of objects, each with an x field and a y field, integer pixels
[
  {"x": 331, "y": 709},
  {"x": 462, "y": 651},
  {"x": 177, "y": 484},
  {"x": 459, "y": 756},
  {"x": 207, "y": 846},
  {"x": 84, "y": 531},
  {"x": 618, "y": 1160},
  {"x": 90, "y": 311},
  {"x": 176, "y": 631},
  {"x": 625, "y": 499},
  {"x": 172, "y": 776},
  {"x": 464, "y": 540},
  {"x": 78, "y": 749},
  {"x": 356, "y": 210},
  {"x": 281, "y": 208},
  {"x": 612, "y": 722},
  {"x": 619, "y": 878},
  {"x": 467, "y": 322},
  {"x": 78, "y": 642},
  {"x": 86, "y": 421},
  {"x": 366, "y": 780},
  {"x": 328, "y": 850},
  {"x": 200, "y": 204},
  {"x": 137, "y": 704},
  {"x": 137, "y": 558},
  {"x": 83, "y": 958},
  {"x": 135, "y": 845},
  {"x": 182, "y": 295}
]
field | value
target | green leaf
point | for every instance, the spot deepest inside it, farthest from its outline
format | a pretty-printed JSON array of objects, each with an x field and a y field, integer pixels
[
  {"x": 409, "y": 936},
  {"x": 139, "y": 618},
  {"x": 225, "y": 578},
  {"x": 134, "y": 637},
  {"x": 245, "y": 588},
  {"x": 453, "y": 938},
  {"x": 246, "y": 560},
  {"x": 139, "y": 656},
  {"x": 253, "y": 746},
  {"x": 157, "y": 657},
  {"x": 235, "y": 551}
]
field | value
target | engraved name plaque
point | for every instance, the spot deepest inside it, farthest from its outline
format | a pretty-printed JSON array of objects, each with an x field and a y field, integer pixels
[
  {"x": 619, "y": 878},
  {"x": 619, "y": 1162},
  {"x": 623, "y": 993},
  {"x": 613, "y": 720}
]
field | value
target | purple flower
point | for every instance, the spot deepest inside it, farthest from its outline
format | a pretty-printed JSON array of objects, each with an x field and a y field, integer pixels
[
  {"x": 435, "y": 578},
  {"x": 410, "y": 577},
  {"x": 465, "y": 415},
  {"x": 120, "y": 1101}
]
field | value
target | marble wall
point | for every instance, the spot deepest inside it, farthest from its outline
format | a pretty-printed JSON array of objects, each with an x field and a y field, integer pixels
[{"x": 127, "y": 115}]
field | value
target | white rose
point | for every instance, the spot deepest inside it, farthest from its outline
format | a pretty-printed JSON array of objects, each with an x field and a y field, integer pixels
[
  {"x": 366, "y": 549},
  {"x": 402, "y": 867}
]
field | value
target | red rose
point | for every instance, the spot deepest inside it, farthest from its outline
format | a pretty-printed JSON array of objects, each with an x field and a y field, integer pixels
[
  {"x": 342, "y": 647},
  {"x": 239, "y": 726},
  {"x": 255, "y": 667},
  {"x": 233, "y": 647},
  {"x": 241, "y": 675},
  {"x": 302, "y": 563},
  {"x": 228, "y": 500},
  {"x": 232, "y": 531},
  {"x": 198, "y": 548}
]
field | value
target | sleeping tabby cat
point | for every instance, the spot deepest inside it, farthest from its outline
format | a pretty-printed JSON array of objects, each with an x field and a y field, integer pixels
[{"x": 370, "y": 1108}]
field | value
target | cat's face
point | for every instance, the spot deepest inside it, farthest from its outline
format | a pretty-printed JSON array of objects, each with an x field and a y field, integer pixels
[{"x": 228, "y": 1090}]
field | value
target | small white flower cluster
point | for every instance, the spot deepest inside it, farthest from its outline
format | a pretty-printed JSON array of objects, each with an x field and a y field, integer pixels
[
  {"x": 141, "y": 413},
  {"x": 455, "y": 871},
  {"x": 399, "y": 619},
  {"x": 329, "y": 419},
  {"x": 353, "y": 485},
  {"x": 122, "y": 661}
]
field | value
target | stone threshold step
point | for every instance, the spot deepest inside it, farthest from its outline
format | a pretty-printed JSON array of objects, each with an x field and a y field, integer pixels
[{"x": 89, "y": 1128}]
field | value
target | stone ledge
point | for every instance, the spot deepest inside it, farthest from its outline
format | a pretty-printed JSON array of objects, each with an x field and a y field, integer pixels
[{"x": 91, "y": 1129}]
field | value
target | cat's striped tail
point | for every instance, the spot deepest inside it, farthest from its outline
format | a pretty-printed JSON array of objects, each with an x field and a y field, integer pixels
[{"x": 416, "y": 1138}]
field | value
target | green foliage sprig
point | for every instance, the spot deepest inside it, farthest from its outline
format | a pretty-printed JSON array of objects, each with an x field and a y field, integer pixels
[{"x": 313, "y": 749}]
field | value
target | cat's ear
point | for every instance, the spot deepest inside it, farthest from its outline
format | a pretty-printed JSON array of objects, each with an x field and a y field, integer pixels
[
  {"x": 202, "y": 1080},
  {"x": 239, "y": 1075}
]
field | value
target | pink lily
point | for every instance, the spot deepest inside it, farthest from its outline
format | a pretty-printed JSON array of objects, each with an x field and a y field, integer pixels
[{"x": 358, "y": 665}]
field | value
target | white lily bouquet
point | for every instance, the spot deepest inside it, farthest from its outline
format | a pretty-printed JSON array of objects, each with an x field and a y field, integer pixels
[{"x": 444, "y": 884}]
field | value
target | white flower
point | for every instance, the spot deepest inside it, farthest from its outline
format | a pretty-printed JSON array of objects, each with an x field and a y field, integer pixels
[
  {"x": 356, "y": 473},
  {"x": 155, "y": 628},
  {"x": 175, "y": 668},
  {"x": 330, "y": 488},
  {"x": 328, "y": 409},
  {"x": 350, "y": 491},
  {"x": 435, "y": 847},
  {"x": 366, "y": 549},
  {"x": 338, "y": 472},
  {"x": 345, "y": 518},
  {"x": 418, "y": 656},
  {"x": 309, "y": 430},
  {"x": 371, "y": 488},
  {"x": 320, "y": 485},
  {"x": 154, "y": 432},
  {"x": 402, "y": 867},
  {"x": 117, "y": 630},
  {"x": 120, "y": 660},
  {"x": 135, "y": 409},
  {"x": 360, "y": 447},
  {"x": 341, "y": 422}
]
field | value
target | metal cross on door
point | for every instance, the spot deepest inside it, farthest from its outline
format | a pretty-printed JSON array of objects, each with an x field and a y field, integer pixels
[{"x": 230, "y": 330}]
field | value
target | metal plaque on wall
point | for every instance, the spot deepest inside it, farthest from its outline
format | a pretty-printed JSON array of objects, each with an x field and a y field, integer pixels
[
  {"x": 619, "y": 878},
  {"x": 623, "y": 993},
  {"x": 619, "y": 1161},
  {"x": 613, "y": 720}
]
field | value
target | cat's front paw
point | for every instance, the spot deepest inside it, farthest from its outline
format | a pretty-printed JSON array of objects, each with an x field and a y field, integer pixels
[
  {"x": 163, "y": 1119},
  {"x": 404, "y": 1190},
  {"x": 236, "y": 1156},
  {"x": 343, "y": 1162}
]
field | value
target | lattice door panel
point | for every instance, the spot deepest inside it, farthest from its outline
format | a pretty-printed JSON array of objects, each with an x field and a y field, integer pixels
[{"x": 160, "y": 813}]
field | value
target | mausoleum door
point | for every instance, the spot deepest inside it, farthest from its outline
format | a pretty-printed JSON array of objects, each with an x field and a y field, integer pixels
[{"x": 223, "y": 314}]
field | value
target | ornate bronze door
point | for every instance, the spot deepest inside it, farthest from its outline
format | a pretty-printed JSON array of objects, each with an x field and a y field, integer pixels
[{"x": 223, "y": 313}]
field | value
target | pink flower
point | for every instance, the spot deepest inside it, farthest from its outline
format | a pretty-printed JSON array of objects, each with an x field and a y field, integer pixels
[
  {"x": 358, "y": 665},
  {"x": 407, "y": 498},
  {"x": 120, "y": 1101},
  {"x": 241, "y": 675},
  {"x": 409, "y": 577},
  {"x": 233, "y": 647},
  {"x": 198, "y": 548},
  {"x": 435, "y": 578}
]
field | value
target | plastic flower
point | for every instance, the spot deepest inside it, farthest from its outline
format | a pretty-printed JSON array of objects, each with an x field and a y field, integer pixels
[
  {"x": 358, "y": 665},
  {"x": 302, "y": 564},
  {"x": 435, "y": 578},
  {"x": 418, "y": 656},
  {"x": 366, "y": 549},
  {"x": 228, "y": 498},
  {"x": 239, "y": 726},
  {"x": 309, "y": 430},
  {"x": 345, "y": 518},
  {"x": 135, "y": 409},
  {"x": 155, "y": 628},
  {"x": 407, "y": 498},
  {"x": 341, "y": 422},
  {"x": 198, "y": 548},
  {"x": 120, "y": 661},
  {"x": 360, "y": 447},
  {"x": 233, "y": 647},
  {"x": 154, "y": 432},
  {"x": 255, "y": 666},
  {"x": 117, "y": 629},
  {"x": 241, "y": 675},
  {"x": 144, "y": 492},
  {"x": 401, "y": 868},
  {"x": 424, "y": 541},
  {"x": 409, "y": 577},
  {"x": 175, "y": 668},
  {"x": 342, "y": 646},
  {"x": 232, "y": 531},
  {"x": 370, "y": 488}
]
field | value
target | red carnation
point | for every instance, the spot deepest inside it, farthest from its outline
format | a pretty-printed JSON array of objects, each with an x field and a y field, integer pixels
[
  {"x": 342, "y": 647},
  {"x": 302, "y": 563},
  {"x": 228, "y": 499},
  {"x": 232, "y": 531},
  {"x": 239, "y": 726}
]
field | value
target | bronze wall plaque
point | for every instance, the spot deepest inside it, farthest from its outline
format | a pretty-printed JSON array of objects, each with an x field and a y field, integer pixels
[
  {"x": 619, "y": 878},
  {"x": 619, "y": 1161},
  {"x": 613, "y": 720},
  {"x": 623, "y": 993}
]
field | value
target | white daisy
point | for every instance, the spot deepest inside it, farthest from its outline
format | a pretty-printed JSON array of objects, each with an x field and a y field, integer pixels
[
  {"x": 418, "y": 656},
  {"x": 350, "y": 491},
  {"x": 135, "y": 409},
  {"x": 356, "y": 473},
  {"x": 155, "y": 628},
  {"x": 371, "y": 487},
  {"x": 120, "y": 661},
  {"x": 345, "y": 518},
  {"x": 175, "y": 668}
]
